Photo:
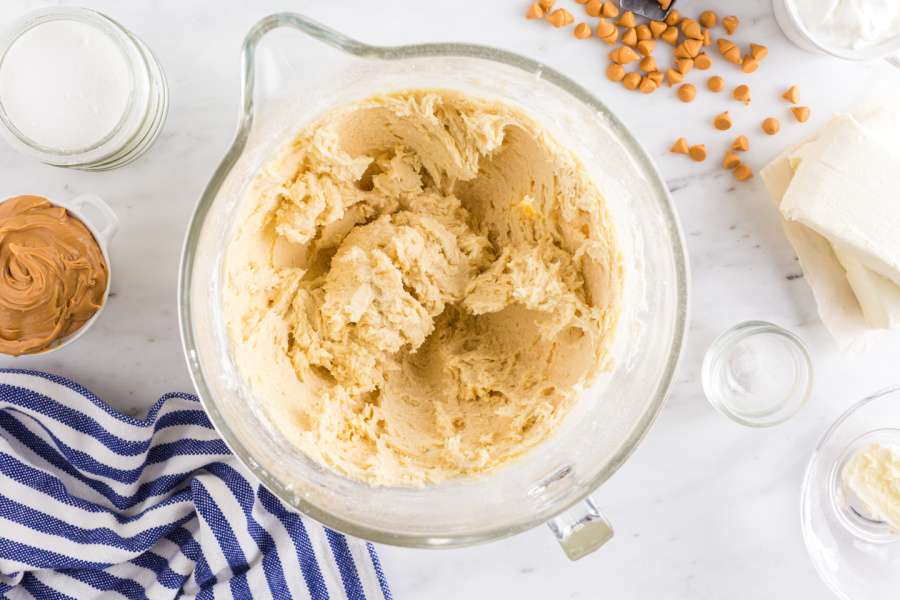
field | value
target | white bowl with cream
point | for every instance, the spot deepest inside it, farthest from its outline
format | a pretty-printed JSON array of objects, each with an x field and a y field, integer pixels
[{"x": 847, "y": 29}]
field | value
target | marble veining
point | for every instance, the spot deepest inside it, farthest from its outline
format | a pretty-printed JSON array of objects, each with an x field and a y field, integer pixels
[{"x": 705, "y": 508}]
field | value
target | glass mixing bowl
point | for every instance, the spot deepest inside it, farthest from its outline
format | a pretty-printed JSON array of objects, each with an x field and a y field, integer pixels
[{"x": 295, "y": 69}]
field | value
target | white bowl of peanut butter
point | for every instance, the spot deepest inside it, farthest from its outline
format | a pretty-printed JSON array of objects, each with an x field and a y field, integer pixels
[{"x": 54, "y": 270}]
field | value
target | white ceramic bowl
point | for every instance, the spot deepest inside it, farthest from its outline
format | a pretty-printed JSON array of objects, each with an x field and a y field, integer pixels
[{"x": 103, "y": 223}]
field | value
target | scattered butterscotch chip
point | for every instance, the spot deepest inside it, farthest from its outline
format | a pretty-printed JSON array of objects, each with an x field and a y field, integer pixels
[
  {"x": 673, "y": 18},
  {"x": 731, "y": 160},
  {"x": 722, "y": 122},
  {"x": 646, "y": 47},
  {"x": 730, "y": 23},
  {"x": 771, "y": 126},
  {"x": 742, "y": 94},
  {"x": 611, "y": 38},
  {"x": 560, "y": 17},
  {"x": 708, "y": 18},
  {"x": 742, "y": 172},
  {"x": 687, "y": 92},
  {"x": 715, "y": 83},
  {"x": 609, "y": 10},
  {"x": 691, "y": 29},
  {"x": 670, "y": 35},
  {"x": 629, "y": 38},
  {"x": 664, "y": 4},
  {"x": 627, "y": 19},
  {"x": 674, "y": 77},
  {"x": 801, "y": 113},
  {"x": 647, "y": 64},
  {"x": 546, "y": 5},
  {"x": 615, "y": 72},
  {"x": 792, "y": 94},
  {"x": 582, "y": 31},
  {"x": 758, "y": 51},
  {"x": 730, "y": 51},
  {"x": 581, "y": 1},
  {"x": 535, "y": 12},
  {"x": 707, "y": 38},
  {"x": 749, "y": 64},
  {"x": 643, "y": 32},
  {"x": 702, "y": 61},
  {"x": 605, "y": 28},
  {"x": 680, "y": 146},
  {"x": 698, "y": 152},
  {"x": 693, "y": 48},
  {"x": 683, "y": 65},
  {"x": 631, "y": 81},
  {"x": 741, "y": 144},
  {"x": 724, "y": 45},
  {"x": 647, "y": 86},
  {"x": 657, "y": 27},
  {"x": 656, "y": 76},
  {"x": 623, "y": 55},
  {"x": 593, "y": 8}
]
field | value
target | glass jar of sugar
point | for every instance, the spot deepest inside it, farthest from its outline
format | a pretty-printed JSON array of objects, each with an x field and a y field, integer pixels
[{"x": 78, "y": 90}]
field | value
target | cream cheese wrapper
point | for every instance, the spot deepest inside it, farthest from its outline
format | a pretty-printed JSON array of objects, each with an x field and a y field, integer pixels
[
  {"x": 420, "y": 286},
  {"x": 845, "y": 188}
]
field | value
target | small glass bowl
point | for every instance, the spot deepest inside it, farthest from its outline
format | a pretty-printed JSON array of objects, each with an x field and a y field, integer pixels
[
  {"x": 757, "y": 374},
  {"x": 142, "y": 119}
]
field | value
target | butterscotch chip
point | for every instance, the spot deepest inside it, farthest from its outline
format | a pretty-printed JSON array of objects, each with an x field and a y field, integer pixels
[
  {"x": 683, "y": 65},
  {"x": 698, "y": 152},
  {"x": 646, "y": 47},
  {"x": 674, "y": 77},
  {"x": 771, "y": 126},
  {"x": 664, "y": 4},
  {"x": 742, "y": 172},
  {"x": 741, "y": 144},
  {"x": 657, "y": 27},
  {"x": 605, "y": 28},
  {"x": 730, "y": 23},
  {"x": 631, "y": 80},
  {"x": 792, "y": 94},
  {"x": 627, "y": 19},
  {"x": 687, "y": 92},
  {"x": 715, "y": 83},
  {"x": 708, "y": 18},
  {"x": 691, "y": 29},
  {"x": 609, "y": 10},
  {"x": 647, "y": 64},
  {"x": 680, "y": 146},
  {"x": 702, "y": 61},
  {"x": 611, "y": 38},
  {"x": 758, "y": 51},
  {"x": 593, "y": 8},
  {"x": 623, "y": 55},
  {"x": 729, "y": 50},
  {"x": 801, "y": 113},
  {"x": 643, "y": 32},
  {"x": 582, "y": 31},
  {"x": 707, "y": 38},
  {"x": 693, "y": 48},
  {"x": 535, "y": 12},
  {"x": 742, "y": 94},
  {"x": 673, "y": 18},
  {"x": 749, "y": 64},
  {"x": 731, "y": 160},
  {"x": 670, "y": 35},
  {"x": 647, "y": 86},
  {"x": 722, "y": 122},
  {"x": 560, "y": 17},
  {"x": 581, "y": 1},
  {"x": 546, "y": 5},
  {"x": 656, "y": 76},
  {"x": 615, "y": 72},
  {"x": 629, "y": 38}
]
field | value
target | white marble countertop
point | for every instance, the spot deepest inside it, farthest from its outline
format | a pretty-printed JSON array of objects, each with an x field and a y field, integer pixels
[{"x": 705, "y": 508}]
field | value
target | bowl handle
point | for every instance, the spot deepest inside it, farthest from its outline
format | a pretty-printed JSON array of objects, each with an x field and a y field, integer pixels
[
  {"x": 581, "y": 529},
  {"x": 103, "y": 219}
]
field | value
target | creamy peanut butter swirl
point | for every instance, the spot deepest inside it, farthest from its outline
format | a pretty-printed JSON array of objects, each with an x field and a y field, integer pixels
[{"x": 53, "y": 275}]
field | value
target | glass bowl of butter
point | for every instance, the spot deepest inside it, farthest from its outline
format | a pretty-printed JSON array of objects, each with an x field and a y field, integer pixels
[{"x": 295, "y": 70}]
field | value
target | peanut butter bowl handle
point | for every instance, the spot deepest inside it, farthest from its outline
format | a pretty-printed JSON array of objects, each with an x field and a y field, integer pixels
[{"x": 293, "y": 71}]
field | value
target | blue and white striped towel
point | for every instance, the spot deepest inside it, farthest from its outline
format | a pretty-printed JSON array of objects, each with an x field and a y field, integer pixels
[{"x": 94, "y": 503}]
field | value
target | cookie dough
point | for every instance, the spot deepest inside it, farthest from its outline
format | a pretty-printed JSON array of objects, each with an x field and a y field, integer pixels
[
  {"x": 53, "y": 275},
  {"x": 419, "y": 286}
]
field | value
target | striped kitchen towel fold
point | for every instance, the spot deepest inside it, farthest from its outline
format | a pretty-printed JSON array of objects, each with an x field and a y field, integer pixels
[{"x": 96, "y": 504}]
